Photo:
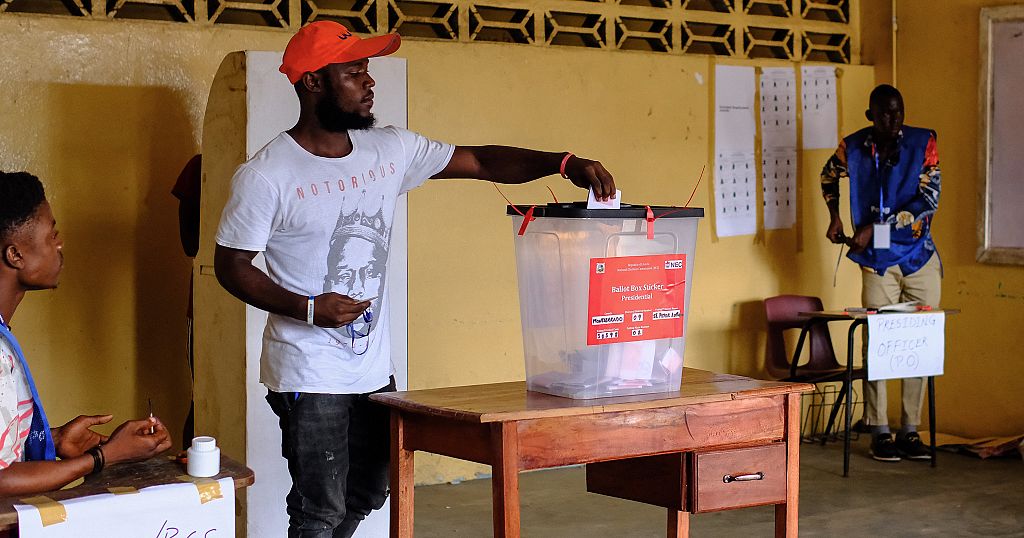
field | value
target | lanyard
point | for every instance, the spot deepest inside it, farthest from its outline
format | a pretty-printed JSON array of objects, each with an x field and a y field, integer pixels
[
  {"x": 39, "y": 443},
  {"x": 881, "y": 193}
]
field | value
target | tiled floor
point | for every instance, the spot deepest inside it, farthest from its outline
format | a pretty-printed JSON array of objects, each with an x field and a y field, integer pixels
[{"x": 963, "y": 496}]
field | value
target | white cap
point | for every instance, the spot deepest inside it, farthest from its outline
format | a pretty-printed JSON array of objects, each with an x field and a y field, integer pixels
[{"x": 204, "y": 444}]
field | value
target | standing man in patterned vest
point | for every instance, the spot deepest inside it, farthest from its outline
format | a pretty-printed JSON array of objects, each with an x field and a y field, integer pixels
[{"x": 894, "y": 191}]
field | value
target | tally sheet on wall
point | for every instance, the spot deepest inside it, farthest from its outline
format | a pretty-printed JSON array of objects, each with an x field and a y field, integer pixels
[
  {"x": 821, "y": 124},
  {"x": 204, "y": 509},
  {"x": 735, "y": 172},
  {"x": 778, "y": 146}
]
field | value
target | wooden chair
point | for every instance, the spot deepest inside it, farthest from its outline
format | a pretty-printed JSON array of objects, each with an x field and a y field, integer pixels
[{"x": 821, "y": 366}]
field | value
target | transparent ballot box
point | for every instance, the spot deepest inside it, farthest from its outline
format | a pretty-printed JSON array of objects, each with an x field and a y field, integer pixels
[{"x": 604, "y": 296}]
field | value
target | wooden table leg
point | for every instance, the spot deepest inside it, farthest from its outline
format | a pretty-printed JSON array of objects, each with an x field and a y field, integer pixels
[
  {"x": 402, "y": 480},
  {"x": 786, "y": 515},
  {"x": 678, "y": 524},
  {"x": 505, "y": 480}
]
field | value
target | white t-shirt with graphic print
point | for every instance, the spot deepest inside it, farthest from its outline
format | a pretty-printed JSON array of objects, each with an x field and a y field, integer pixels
[
  {"x": 15, "y": 407},
  {"x": 324, "y": 224}
]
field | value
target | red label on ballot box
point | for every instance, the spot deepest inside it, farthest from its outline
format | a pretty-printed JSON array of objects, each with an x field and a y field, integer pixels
[{"x": 636, "y": 298}]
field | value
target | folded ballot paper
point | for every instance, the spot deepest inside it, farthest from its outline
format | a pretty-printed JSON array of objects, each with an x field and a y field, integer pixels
[{"x": 614, "y": 203}]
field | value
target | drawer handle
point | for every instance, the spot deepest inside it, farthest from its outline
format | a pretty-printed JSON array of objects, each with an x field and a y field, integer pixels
[{"x": 743, "y": 477}]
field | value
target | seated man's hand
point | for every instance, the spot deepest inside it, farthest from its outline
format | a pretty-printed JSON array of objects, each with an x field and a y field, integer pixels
[
  {"x": 74, "y": 438},
  {"x": 132, "y": 441}
]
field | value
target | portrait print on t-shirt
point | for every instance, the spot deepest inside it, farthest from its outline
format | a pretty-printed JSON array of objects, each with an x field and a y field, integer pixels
[
  {"x": 324, "y": 225},
  {"x": 357, "y": 260}
]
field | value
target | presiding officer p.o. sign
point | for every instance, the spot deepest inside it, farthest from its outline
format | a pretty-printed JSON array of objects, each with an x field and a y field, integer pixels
[{"x": 905, "y": 345}]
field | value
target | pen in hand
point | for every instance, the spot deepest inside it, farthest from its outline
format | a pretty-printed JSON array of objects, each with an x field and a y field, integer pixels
[{"x": 152, "y": 429}]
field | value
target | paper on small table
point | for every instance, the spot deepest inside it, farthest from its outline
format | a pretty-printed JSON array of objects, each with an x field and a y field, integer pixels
[
  {"x": 905, "y": 345},
  {"x": 187, "y": 509},
  {"x": 909, "y": 306}
]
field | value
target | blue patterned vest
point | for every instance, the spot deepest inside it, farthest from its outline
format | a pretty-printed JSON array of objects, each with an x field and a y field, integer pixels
[{"x": 895, "y": 183}]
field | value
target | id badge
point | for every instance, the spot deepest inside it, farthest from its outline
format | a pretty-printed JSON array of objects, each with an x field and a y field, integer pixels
[{"x": 881, "y": 235}]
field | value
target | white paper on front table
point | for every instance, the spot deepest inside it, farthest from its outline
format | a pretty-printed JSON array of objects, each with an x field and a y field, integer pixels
[
  {"x": 818, "y": 92},
  {"x": 734, "y": 174},
  {"x": 778, "y": 146},
  {"x": 157, "y": 511},
  {"x": 906, "y": 345}
]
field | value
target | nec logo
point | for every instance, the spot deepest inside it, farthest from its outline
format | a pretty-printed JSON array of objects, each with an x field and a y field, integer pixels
[{"x": 345, "y": 36}]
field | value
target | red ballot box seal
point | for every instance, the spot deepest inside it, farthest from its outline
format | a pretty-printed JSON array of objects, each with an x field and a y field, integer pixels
[{"x": 635, "y": 298}]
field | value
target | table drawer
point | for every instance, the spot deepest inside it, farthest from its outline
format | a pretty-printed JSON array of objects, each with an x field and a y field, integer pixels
[{"x": 737, "y": 478}]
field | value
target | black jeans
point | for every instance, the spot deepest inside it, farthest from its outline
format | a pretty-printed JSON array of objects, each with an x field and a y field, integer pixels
[{"x": 338, "y": 448}]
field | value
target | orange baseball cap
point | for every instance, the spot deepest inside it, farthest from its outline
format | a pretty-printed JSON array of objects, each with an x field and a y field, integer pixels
[{"x": 323, "y": 43}]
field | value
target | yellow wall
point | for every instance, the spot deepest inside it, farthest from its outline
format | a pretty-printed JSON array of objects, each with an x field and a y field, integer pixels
[
  {"x": 107, "y": 113},
  {"x": 646, "y": 117},
  {"x": 937, "y": 70}
]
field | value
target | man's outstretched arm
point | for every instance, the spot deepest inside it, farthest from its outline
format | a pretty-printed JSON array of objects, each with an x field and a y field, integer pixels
[{"x": 505, "y": 164}]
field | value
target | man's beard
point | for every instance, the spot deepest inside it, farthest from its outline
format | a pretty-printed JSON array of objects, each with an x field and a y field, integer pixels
[{"x": 332, "y": 118}]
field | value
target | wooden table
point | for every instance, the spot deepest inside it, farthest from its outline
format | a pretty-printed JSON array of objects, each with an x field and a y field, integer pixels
[
  {"x": 858, "y": 319},
  {"x": 709, "y": 440},
  {"x": 153, "y": 472}
]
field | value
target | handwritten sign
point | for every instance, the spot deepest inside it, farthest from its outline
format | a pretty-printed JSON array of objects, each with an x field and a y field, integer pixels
[
  {"x": 187, "y": 510},
  {"x": 905, "y": 345}
]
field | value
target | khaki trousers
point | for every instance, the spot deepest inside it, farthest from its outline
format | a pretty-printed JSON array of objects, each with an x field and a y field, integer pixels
[{"x": 923, "y": 286}]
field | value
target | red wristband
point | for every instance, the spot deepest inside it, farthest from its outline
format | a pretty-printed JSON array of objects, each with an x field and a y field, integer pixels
[{"x": 561, "y": 168}]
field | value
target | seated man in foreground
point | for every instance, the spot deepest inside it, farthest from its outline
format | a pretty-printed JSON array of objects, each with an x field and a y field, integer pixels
[{"x": 32, "y": 260}]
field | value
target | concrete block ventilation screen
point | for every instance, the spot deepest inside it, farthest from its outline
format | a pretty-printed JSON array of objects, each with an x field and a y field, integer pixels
[{"x": 793, "y": 30}]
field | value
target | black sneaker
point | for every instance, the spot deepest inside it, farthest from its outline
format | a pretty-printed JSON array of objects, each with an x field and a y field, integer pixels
[
  {"x": 883, "y": 448},
  {"x": 911, "y": 447}
]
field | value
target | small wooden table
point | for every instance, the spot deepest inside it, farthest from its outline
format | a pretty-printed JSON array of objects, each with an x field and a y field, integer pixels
[
  {"x": 152, "y": 472},
  {"x": 858, "y": 319},
  {"x": 714, "y": 422}
]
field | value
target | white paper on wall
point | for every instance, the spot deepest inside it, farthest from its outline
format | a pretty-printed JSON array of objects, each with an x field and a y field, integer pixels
[
  {"x": 778, "y": 146},
  {"x": 778, "y": 169},
  {"x": 735, "y": 202},
  {"x": 778, "y": 106},
  {"x": 185, "y": 509},
  {"x": 735, "y": 173},
  {"x": 818, "y": 85}
]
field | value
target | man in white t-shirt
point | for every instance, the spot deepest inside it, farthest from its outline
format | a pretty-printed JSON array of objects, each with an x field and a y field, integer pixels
[
  {"x": 319, "y": 201},
  {"x": 32, "y": 260}
]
